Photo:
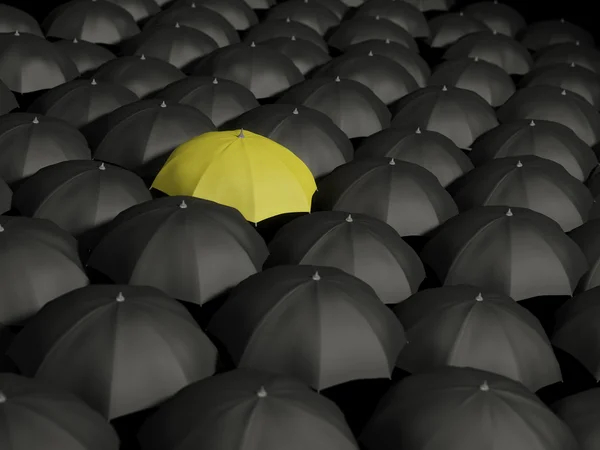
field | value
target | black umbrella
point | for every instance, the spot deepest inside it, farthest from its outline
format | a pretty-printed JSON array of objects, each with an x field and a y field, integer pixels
[
  {"x": 85, "y": 55},
  {"x": 456, "y": 113},
  {"x": 96, "y": 21},
  {"x": 428, "y": 149},
  {"x": 543, "y": 34},
  {"x": 488, "y": 80},
  {"x": 30, "y": 63},
  {"x": 80, "y": 102},
  {"x": 236, "y": 12},
  {"x": 219, "y": 99},
  {"x": 305, "y": 55},
  {"x": 284, "y": 28},
  {"x": 587, "y": 237},
  {"x": 484, "y": 247},
  {"x": 448, "y": 28},
  {"x": 202, "y": 19},
  {"x": 338, "y": 7},
  {"x": 568, "y": 53},
  {"x": 13, "y": 19},
  {"x": 580, "y": 412},
  {"x": 353, "y": 107},
  {"x": 178, "y": 45},
  {"x": 139, "y": 9},
  {"x": 362, "y": 29},
  {"x": 401, "y": 13},
  {"x": 557, "y": 105},
  {"x": 143, "y": 76},
  {"x": 5, "y": 197},
  {"x": 265, "y": 72},
  {"x": 308, "y": 133},
  {"x": 497, "y": 16},
  {"x": 192, "y": 249},
  {"x": 593, "y": 182},
  {"x": 494, "y": 48},
  {"x": 141, "y": 136},
  {"x": 432, "y": 5},
  {"x": 541, "y": 138},
  {"x": 410, "y": 60},
  {"x": 360, "y": 245},
  {"x": 29, "y": 143},
  {"x": 260, "y": 4},
  {"x": 8, "y": 101},
  {"x": 308, "y": 12},
  {"x": 388, "y": 80},
  {"x": 40, "y": 262}
]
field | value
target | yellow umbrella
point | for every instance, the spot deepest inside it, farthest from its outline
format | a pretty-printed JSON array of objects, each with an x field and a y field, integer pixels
[{"x": 244, "y": 170}]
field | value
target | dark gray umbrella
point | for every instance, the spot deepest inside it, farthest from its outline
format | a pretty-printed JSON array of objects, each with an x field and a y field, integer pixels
[
  {"x": 260, "y": 4},
  {"x": 494, "y": 48},
  {"x": 497, "y": 16},
  {"x": 139, "y": 9},
  {"x": 39, "y": 263},
  {"x": 192, "y": 249},
  {"x": 318, "y": 324},
  {"x": 388, "y": 80},
  {"x": 567, "y": 53},
  {"x": 308, "y": 12},
  {"x": 265, "y": 72},
  {"x": 136, "y": 345},
  {"x": 543, "y": 34},
  {"x": 338, "y": 7},
  {"x": 428, "y": 149},
  {"x": 141, "y": 136},
  {"x": 5, "y": 197},
  {"x": 541, "y": 138},
  {"x": 86, "y": 56},
  {"x": 512, "y": 251},
  {"x": 29, "y": 143},
  {"x": 80, "y": 102},
  {"x": 362, "y": 29},
  {"x": 487, "y": 80},
  {"x": 580, "y": 412},
  {"x": 448, "y": 28},
  {"x": 143, "y": 76},
  {"x": 353, "y": 107},
  {"x": 8, "y": 101},
  {"x": 306, "y": 132},
  {"x": 236, "y": 12},
  {"x": 587, "y": 237},
  {"x": 593, "y": 182},
  {"x": 219, "y": 99},
  {"x": 305, "y": 55},
  {"x": 554, "y": 104},
  {"x": 432, "y": 5},
  {"x": 214, "y": 413},
  {"x": 96, "y": 21},
  {"x": 461, "y": 326},
  {"x": 458, "y": 114},
  {"x": 284, "y": 28},
  {"x": 13, "y": 19},
  {"x": 199, "y": 18},
  {"x": 527, "y": 182},
  {"x": 178, "y": 45},
  {"x": 79, "y": 196},
  {"x": 30, "y": 63},
  {"x": 402, "y": 14},
  {"x": 360, "y": 245}
]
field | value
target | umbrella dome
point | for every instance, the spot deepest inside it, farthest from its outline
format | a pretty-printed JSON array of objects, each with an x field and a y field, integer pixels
[
  {"x": 308, "y": 12},
  {"x": 497, "y": 16},
  {"x": 235, "y": 12},
  {"x": 580, "y": 412},
  {"x": 568, "y": 53},
  {"x": 540, "y": 35},
  {"x": 13, "y": 19},
  {"x": 284, "y": 28},
  {"x": 362, "y": 29},
  {"x": 86, "y": 56},
  {"x": 587, "y": 237},
  {"x": 447, "y": 29},
  {"x": 402, "y": 14},
  {"x": 139, "y": 9},
  {"x": 305, "y": 55}
]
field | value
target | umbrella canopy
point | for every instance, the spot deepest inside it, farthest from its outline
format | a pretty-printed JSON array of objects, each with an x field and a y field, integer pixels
[
  {"x": 568, "y": 53},
  {"x": 549, "y": 140},
  {"x": 529, "y": 182},
  {"x": 308, "y": 133},
  {"x": 410, "y": 60},
  {"x": 571, "y": 77},
  {"x": 352, "y": 106},
  {"x": 137, "y": 345},
  {"x": 428, "y": 149},
  {"x": 484, "y": 247},
  {"x": 337, "y": 7},
  {"x": 86, "y": 56},
  {"x": 40, "y": 262},
  {"x": 431, "y": 5},
  {"x": 308, "y": 12},
  {"x": 497, "y": 16},
  {"x": 79, "y": 196},
  {"x": 29, "y": 142},
  {"x": 487, "y": 80},
  {"x": 461, "y": 326},
  {"x": 142, "y": 76},
  {"x": 80, "y": 102},
  {"x": 458, "y": 114},
  {"x": 557, "y": 105},
  {"x": 8, "y": 101},
  {"x": 448, "y": 28},
  {"x": 30, "y": 63},
  {"x": 388, "y": 80},
  {"x": 139, "y": 9},
  {"x": 13, "y": 19},
  {"x": 284, "y": 28},
  {"x": 305, "y": 55},
  {"x": 593, "y": 182},
  {"x": 386, "y": 189},
  {"x": 199, "y": 18},
  {"x": 494, "y": 48},
  {"x": 543, "y": 34},
  {"x": 576, "y": 330},
  {"x": 260, "y": 4},
  {"x": 402, "y": 14},
  {"x": 243, "y": 170},
  {"x": 265, "y": 72},
  {"x": 236, "y": 12},
  {"x": 587, "y": 237},
  {"x": 96, "y": 21},
  {"x": 35, "y": 416},
  {"x": 318, "y": 324},
  {"x": 581, "y": 414},
  {"x": 177, "y": 45},
  {"x": 360, "y": 245},
  {"x": 249, "y": 409},
  {"x": 6, "y": 195},
  {"x": 461, "y": 408},
  {"x": 218, "y": 99},
  {"x": 192, "y": 249},
  {"x": 363, "y": 29}
]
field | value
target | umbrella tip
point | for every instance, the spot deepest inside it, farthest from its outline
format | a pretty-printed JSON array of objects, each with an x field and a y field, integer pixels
[
  {"x": 572, "y": 64},
  {"x": 479, "y": 297},
  {"x": 476, "y": 59},
  {"x": 1, "y": 228},
  {"x": 577, "y": 43},
  {"x": 562, "y": 20},
  {"x": 75, "y": 41},
  {"x": 241, "y": 135},
  {"x": 495, "y": 2},
  {"x": 252, "y": 44},
  {"x": 377, "y": 17},
  {"x": 461, "y": 13},
  {"x": 392, "y": 162},
  {"x": 293, "y": 38},
  {"x": 532, "y": 123},
  {"x": 519, "y": 164},
  {"x": 349, "y": 218},
  {"x": 262, "y": 392},
  {"x": 494, "y": 32},
  {"x": 102, "y": 166},
  {"x": 193, "y": 5},
  {"x": 183, "y": 204},
  {"x": 418, "y": 130},
  {"x": 215, "y": 81},
  {"x": 142, "y": 56},
  {"x": 295, "y": 111},
  {"x": 316, "y": 276},
  {"x": 509, "y": 213},
  {"x": 163, "y": 104},
  {"x": 35, "y": 120},
  {"x": 93, "y": 82},
  {"x": 288, "y": 20},
  {"x": 484, "y": 386},
  {"x": 120, "y": 297},
  {"x": 564, "y": 92},
  {"x": 337, "y": 79},
  {"x": 2, "y": 397},
  {"x": 444, "y": 88},
  {"x": 387, "y": 41},
  {"x": 17, "y": 33}
]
